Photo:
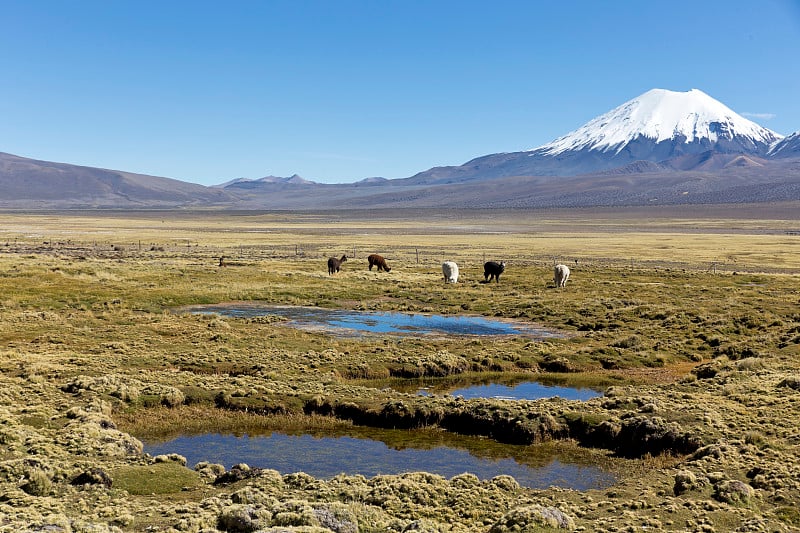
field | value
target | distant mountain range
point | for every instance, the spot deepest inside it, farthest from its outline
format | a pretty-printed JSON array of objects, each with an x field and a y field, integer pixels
[{"x": 662, "y": 147}]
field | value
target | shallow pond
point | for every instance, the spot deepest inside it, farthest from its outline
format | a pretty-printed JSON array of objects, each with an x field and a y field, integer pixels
[
  {"x": 527, "y": 390},
  {"x": 350, "y": 322},
  {"x": 325, "y": 457}
]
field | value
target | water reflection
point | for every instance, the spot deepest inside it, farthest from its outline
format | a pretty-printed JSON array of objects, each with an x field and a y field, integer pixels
[
  {"x": 349, "y": 322},
  {"x": 325, "y": 457},
  {"x": 500, "y": 387},
  {"x": 529, "y": 390}
]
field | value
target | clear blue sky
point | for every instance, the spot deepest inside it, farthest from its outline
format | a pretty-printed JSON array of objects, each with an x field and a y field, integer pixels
[{"x": 337, "y": 91}]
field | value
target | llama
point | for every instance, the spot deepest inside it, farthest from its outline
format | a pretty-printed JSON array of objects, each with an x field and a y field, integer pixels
[
  {"x": 450, "y": 272},
  {"x": 560, "y": 275},
  {"x": 335, "y": 264},
  {"x": 379, "y": 261},
  {"x": 493, "y": 269}
]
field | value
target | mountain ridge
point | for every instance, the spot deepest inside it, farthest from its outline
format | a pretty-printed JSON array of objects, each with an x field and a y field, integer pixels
[
  {"x": 787, "y": 147},
  {"x": 663, "y": 147}
]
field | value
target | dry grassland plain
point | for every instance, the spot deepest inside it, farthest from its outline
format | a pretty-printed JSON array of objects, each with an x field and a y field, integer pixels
[{"x": 689, "y": 318}]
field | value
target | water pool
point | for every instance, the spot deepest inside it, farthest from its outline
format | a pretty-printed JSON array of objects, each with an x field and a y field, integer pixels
[
  {"x": 325, "y": 457},
  {"x": 352, "y": 322}
]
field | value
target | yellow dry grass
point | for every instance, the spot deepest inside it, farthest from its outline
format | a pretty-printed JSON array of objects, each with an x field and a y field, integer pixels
[{"x": 705, "y": 240}]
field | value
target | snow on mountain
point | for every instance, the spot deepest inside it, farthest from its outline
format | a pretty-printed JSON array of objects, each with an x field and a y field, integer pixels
[
  {"x": 659, "y": 116},
  {"x": 787, "y": 147}
]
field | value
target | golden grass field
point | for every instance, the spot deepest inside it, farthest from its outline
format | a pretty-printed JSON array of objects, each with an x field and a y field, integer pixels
[{"x": 689, "y": 316}]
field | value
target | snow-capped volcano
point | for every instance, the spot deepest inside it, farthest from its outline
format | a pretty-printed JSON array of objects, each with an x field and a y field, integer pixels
[
  {"x": 691, "y": 118},
  {"x": 665, "y": 127}
]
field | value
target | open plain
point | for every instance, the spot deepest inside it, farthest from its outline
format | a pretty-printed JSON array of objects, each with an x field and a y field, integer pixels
[{"x": 688, "y": 317}]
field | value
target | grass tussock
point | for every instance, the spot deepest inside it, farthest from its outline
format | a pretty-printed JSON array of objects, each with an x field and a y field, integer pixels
[{"x": 158, "y": 478}]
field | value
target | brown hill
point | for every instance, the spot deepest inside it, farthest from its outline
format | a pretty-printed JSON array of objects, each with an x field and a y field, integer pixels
[{"x": 30, "y": 183}]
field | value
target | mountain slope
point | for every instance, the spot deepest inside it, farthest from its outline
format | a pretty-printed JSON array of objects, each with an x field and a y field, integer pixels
[
  {"x": 786, "y": 147},
  {"x": 27, "y": 183},
  {"x": 656, "y": 127}
]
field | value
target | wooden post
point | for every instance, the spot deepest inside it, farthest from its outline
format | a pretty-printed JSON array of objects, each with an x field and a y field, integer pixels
[{"x": 417, "y": 250}]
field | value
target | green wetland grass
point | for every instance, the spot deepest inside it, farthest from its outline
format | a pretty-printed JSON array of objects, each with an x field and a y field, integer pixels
[{"x": 688, "y": 320}]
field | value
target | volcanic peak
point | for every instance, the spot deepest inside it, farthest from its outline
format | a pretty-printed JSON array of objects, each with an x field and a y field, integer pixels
[{"x": 661, "y": 115}]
